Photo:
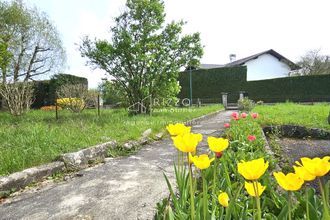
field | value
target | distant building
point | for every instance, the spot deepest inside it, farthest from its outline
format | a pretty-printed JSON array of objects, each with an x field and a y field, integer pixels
[{"x": 265, "y": 65}]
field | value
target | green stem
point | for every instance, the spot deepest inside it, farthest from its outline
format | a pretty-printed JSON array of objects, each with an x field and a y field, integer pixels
[
  {"x": 307, "y": 207},
  {"x": 227, "y": 175},
  {"x": 222, "y": 213},
  {"x": 214, "y": 181},
  {"x": 192, "y": 194},
  {"x": 254, "y": 207},
  {"x": 326, "y": 214},
  {"x": 205, "y": 205},
  {"x": 289, "y": 204},
  {"x": 255, "y": 186}
]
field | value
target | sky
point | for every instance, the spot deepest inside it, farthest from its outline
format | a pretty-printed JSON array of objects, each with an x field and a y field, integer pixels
[{"x": 241, "y": 27}]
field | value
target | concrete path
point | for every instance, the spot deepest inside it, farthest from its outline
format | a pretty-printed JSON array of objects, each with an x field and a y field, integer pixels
[{"x": 122, "y": 188}]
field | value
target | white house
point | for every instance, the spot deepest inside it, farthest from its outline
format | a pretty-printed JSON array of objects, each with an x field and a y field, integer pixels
[{"x": 265, "y": 65}]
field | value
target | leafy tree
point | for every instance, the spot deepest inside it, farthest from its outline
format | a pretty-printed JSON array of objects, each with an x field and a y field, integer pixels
[
  {"x": 30, "y": 45},
  {"x": 313, "y": 63},
  {"x": 112, "y": 94},
  {"x": 144, "y": 54}
]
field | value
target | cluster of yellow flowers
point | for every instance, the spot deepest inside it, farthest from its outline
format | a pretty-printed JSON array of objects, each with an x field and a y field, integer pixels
[
  {"x": 187, "y": 142},
  {"x": 252, "y": 171},
  {"x": 306, "y": 170},
  {"x": 71, "y": 103}
]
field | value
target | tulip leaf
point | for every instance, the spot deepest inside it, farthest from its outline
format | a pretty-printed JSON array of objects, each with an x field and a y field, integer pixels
[
  {"x": 170, "y": 213},
  {"x": 173, "y": 196},
  {"x": 284, "y": 213}
]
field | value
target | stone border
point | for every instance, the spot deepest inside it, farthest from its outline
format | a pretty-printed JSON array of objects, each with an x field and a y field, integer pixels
[
  {"x": 67, "y": 162},
  {"x": 81, "y": 159},
  {"x": 77, "y": 160},
  {"x": 268, "y": 148},
  {"x": 23, "y": 178}
]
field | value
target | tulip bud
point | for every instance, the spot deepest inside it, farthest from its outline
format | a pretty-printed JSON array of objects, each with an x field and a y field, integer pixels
[{"x": 218, "y": 154}]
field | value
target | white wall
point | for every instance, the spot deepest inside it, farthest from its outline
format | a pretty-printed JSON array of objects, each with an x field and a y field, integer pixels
[{"x": 266, "y": 66}]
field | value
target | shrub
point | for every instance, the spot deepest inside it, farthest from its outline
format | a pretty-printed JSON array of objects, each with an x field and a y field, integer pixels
[
  {"x": 45, "y": 91},
  {"x": 207, "y": 84},
  {"x": 73, "y": 104},
  {"x": 73, "y": 97},
  {"x": 260, "y": 102},
  {"x": 246, "y": 104},
  {"x": 18, "y": 96}
]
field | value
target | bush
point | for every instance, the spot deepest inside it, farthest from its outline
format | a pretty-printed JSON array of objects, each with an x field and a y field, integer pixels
[
  {"x": 294, "y": 89},
  {"x": 18, "y": 96},
  {"x": 73, "y": 104},
  {"x": 208, "y": 84},
  {"x": 246, "y": 104},
  {"x": 260, "y": 102},
  {"x": 45, "y": 91}
]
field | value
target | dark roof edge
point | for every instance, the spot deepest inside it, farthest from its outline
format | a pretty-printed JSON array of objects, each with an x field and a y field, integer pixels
[{"x": 280, "y": 57}]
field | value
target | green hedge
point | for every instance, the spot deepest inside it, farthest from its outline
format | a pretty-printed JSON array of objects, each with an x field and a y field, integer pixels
[
  {"x": 208, "y": 84},
  {"x": 297, "y": 89},
  {"x": 45, "y": 90}
]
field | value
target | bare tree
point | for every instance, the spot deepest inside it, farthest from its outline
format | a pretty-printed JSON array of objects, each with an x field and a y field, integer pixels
[
  {"x": 30, "y": 45},
  {"x": 313, "y": 63},
  {"x": 18, "y": 96}
]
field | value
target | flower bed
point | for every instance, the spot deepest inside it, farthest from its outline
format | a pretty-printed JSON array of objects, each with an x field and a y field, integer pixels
[{"x": 237, "y": 179}]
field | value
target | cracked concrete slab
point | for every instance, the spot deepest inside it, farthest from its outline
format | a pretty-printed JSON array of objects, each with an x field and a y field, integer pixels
[{"x": 121, "y": 188}]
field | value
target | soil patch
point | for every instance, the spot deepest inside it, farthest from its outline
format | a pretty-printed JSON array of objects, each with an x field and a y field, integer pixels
[{"x": 297, "y": 148}]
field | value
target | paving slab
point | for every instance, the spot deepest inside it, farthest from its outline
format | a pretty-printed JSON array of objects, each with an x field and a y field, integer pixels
[{"x": 121, "y": 188}]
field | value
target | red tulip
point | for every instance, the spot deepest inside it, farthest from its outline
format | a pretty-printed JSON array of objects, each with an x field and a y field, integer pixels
[
  {"x": 254, "y": 115},
  {"x": 251, "y": 138},
  {"x": 243, "y": 115},
  {"x": 218, "y": 154},
  {"x": 226, "y": 125},
  {"x": 234, "y": 115}
]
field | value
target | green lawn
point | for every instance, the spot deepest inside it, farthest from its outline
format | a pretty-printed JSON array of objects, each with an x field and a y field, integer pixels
[
  {"x": 312, "y": 116},
  {"x": 37, "y": 138}
]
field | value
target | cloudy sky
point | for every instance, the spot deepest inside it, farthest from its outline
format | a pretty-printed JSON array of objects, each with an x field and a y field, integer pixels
[{"x": 242, "y": 27}]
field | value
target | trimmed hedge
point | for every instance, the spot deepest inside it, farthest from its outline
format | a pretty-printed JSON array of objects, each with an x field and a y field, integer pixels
[
  {"x": 296, "y": 89},
  {"x": 207, "y": 84},
  {"x": 45, "y": 90}
]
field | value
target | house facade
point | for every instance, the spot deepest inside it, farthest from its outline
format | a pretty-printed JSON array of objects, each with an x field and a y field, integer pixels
[{"x": 265, "y": 65}]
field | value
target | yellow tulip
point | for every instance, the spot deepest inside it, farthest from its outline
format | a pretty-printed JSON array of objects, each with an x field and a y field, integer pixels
[
  {"x": 202, "y": 162},
  {"x": 191, "y": 156},
  {"x": 251, "y": 189},
  {"x": 252, "y": 170},
  {"x": 289, "y": 182},
  {"x": 187, "y": 142},
  {"x": 217, "y": 144},
  {"x": 316, "y": 166},
  {"x": 303, "y": 173},
  {"x": 177, "y": 129},
  {"x": 223, "y": 199}
]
